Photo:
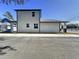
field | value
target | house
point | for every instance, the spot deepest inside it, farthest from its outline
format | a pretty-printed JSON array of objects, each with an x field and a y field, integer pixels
[
  {"x": 29, "y": 20},
  {"x": 7, "y": 25}
]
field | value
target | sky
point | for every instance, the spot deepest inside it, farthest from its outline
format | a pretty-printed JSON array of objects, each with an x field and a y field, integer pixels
[{"x": 51, "y": 9}]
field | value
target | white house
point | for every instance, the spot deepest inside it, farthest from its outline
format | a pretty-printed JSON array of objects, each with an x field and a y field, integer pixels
[
  {"x": 28, "y": 20},
  {"x": 7, "y": 25}
]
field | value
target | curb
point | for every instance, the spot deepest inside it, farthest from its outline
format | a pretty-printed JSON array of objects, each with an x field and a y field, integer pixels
[{"x": 39, "y": 35}]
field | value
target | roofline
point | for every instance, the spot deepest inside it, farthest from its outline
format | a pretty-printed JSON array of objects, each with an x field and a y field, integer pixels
[
  {"x": 27, "y": 9},
  {"x": 10, "y": 21},
  {"x": 13, "y": 21},
  {"x": 54, "y": 21}
]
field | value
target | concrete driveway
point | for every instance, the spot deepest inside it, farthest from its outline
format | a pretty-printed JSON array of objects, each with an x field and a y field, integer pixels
[{"x": 40, "y": 47}]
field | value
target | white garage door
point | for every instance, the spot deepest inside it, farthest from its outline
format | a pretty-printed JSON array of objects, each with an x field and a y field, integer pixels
[{"x": 49, "y": 27}]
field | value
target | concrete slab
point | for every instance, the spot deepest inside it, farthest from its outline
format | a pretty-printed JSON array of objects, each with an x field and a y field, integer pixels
[{"x": 41, "y": 47}]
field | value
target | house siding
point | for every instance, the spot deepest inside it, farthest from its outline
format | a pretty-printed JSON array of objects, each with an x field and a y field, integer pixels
[{"x": 25, "y": 17}]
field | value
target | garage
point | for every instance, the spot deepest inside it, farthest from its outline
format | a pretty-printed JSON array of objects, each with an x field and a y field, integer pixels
[{"x": 49, "y": 27}]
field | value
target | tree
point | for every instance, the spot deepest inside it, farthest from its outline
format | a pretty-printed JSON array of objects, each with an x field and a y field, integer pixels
[
  {"x": 19, "y": 2},
  {"x": 8, "y": 15},
  {"x": 74, "y": 26}
]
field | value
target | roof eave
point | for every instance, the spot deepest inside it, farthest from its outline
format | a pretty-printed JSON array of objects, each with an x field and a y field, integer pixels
[
  {"x": 54, "y": 21},
  {"x": 27, "y": 9}
]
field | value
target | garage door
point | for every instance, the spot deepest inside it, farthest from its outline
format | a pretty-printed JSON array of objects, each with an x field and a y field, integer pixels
[{"x": 49, "y": 27}]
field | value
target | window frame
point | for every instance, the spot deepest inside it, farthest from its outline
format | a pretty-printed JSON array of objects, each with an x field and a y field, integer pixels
[
  {"x": 27, "y": 25},
  {"x": 33, "y": 14},
  {"x": 35, "y": 26}
]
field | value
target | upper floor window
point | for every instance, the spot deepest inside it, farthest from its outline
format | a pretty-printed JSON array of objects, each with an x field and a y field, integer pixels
[{"x": 33, "y": 14}]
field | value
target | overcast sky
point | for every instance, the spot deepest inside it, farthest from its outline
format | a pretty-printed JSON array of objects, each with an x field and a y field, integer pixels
[{"x": 51, "y": 9}]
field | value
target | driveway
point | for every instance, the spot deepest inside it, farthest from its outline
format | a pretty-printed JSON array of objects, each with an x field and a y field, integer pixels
[{"x": 40, "y": 47}]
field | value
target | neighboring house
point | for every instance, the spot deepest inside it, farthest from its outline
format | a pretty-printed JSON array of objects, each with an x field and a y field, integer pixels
[
  {"x": 29, "y": 20},
  {"x": 7, "y": 25}
]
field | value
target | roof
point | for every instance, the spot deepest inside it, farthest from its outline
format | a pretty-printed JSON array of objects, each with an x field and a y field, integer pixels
[
  {"x": 5, "y": 20},
  {"x": 27, "y": 9},
  {"x": 53, "y": 21},
  {"x": 10, "y": 21}
]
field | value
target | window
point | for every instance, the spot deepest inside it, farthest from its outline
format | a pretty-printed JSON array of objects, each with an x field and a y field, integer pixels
[
  {"x": 33, "y": 14},
  {"x": 36, "y": 26},
  {"x": 27, "y": 25}
]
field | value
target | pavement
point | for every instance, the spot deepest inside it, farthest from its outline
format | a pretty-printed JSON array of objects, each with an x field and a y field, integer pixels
[{"x": 40, "y": 47}]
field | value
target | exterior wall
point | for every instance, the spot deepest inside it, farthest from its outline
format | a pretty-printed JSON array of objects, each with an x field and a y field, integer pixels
[
  {"x": 25, "y": 17},
  {"x": 49, "y": 27}
]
